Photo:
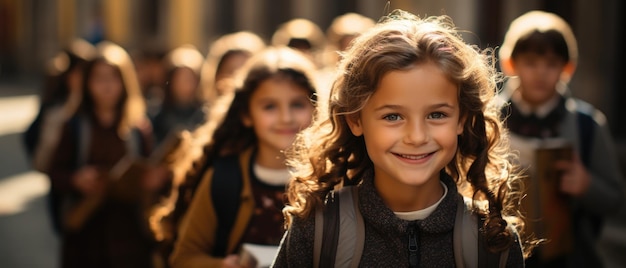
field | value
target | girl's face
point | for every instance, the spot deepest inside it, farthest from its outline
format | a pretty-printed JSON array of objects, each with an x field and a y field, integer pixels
[
  {"x": 539, "y": 75},
  {"x": 105, "y": 86},
  {"x": 279, "y": 109},
  {"x": 410, "y": 126},
  {"x": 183, "y": 85}
]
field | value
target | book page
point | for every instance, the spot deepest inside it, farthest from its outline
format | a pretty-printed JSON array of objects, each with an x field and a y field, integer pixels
[{"x": 253, "y": 255}]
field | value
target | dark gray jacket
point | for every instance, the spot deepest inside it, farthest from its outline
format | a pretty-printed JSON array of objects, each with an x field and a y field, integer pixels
[{"x": 387, "y": 236}]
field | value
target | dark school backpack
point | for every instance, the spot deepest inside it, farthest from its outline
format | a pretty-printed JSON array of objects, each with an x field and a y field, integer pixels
[
  {"x": 586, "y": 133},
  {"x": 30, "y": 136},
  {"x": 586, "y": 128},
  {"x": 340, "y": 235},
  {"x": 226, "y": 187}
]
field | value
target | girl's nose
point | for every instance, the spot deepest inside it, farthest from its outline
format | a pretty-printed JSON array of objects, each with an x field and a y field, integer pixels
[
  {"x": 285, "y": 115},
  {"x": 416, "y": 133}
]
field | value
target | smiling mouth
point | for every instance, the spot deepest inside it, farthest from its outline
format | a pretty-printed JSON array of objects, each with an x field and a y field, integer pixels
[
  {"x": 287, "y": 132},
  {"x": 414, "y": 157}
]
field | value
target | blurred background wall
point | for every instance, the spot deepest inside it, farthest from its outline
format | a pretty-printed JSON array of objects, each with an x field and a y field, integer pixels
[{"x": 31, "y": 31}]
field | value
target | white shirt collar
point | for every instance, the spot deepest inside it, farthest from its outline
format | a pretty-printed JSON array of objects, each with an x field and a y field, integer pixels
[
  {"x": 275, "y": 177},
  {"x": 541, "y": 111},
  {"x": 422, "y": 213}
]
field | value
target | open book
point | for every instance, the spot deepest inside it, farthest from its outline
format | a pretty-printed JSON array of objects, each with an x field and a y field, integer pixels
[{"x": 257, "y": 256}]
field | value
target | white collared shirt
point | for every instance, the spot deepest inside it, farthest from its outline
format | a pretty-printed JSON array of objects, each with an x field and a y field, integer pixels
[{"x": 422, "y": 213}]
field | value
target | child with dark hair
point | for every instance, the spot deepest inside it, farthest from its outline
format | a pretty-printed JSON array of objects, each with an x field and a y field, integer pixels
[
  {"x": 59, "y": 101},
  {"x": 101, "y": 210},
  {"x": 342, "y": 31},
  {"x": 412, "y": 124},
  {"x": 226, "y": 55},
  {"x": 242, "y": 170},
  {"x": 303, "y": 35},
  {"x": 564, "y": 143},
  {"x": 183, "y": 107}
]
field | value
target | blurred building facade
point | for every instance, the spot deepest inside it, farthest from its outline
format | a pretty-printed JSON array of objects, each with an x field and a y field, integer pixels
[{"x": 33, "y": 30}]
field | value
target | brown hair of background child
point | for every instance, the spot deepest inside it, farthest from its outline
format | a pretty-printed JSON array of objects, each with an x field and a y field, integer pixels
[
  {"x": 132, "y": 104},
  {"x": 328, "y": 154},
  {"x": 225, "y": 133},
  {"x": 185, "y": 57},
  {"x": 528, "y": 30},
  {"x": 226, "y": 49},
  {"x": 303, "y": 35}
]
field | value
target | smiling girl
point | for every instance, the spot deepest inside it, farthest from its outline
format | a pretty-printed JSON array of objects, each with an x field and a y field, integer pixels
[
  {"x": 269, "y": 108},
  {"x": 411, "y": 122}
]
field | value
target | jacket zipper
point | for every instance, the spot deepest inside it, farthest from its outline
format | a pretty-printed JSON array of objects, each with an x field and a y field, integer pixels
[{"x": 413, "y": 246}]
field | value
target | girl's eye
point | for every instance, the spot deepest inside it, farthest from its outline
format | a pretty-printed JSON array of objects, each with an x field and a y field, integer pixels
[
  {"x": 436, "y": 115},
  {"x": 298, "y": 104},
  {"x": 392, "y": 117},
  {"x": 269, "y": 107}
]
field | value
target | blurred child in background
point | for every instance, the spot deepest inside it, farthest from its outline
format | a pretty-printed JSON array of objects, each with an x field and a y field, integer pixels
[
  {"x": 102, "y": 219},
  {"x": 226, "y": 55},
  {"x": 540, "y": 54},
  {"x": 59, "y": 101},
  {"x": 182, "y": 107},
  {"x": 342, "y": 31},
  {"x": 151, "y": 74},
  {"x": 304, "y": 36},
  {"x": 339, "y": 36},
  {"x": 243, "y": 172}
]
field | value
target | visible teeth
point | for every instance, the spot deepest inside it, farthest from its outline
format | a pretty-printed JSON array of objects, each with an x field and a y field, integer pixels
[{"x": 413, "y": 157}]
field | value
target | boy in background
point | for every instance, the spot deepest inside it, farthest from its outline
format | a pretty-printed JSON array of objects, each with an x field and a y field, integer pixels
[{"x": 578, "y": 183}]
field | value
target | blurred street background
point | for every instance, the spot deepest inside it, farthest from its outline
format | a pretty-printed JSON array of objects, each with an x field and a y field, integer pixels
[
  {"x": 26, "y": 236},
  {"x": 32, "y": 31}
]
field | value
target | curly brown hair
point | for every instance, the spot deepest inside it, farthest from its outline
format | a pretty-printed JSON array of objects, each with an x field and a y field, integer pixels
[
  {"x": 327, "y": 154},
  {"x": 225, "y": 134}
]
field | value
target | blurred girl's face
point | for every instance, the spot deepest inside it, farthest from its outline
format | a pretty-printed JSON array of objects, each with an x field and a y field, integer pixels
[
  {"x": 279, "y": 109},
  {"x": 183, "y": 85},
  {"x": 105, "y": 86}
]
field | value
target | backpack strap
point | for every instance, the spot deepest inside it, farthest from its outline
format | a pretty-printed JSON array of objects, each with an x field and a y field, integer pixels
[
  {"x": 470, "y": 249},
  {"x": 485, "y": 257},
  {"x": 586, "y": 127},
  {"x": 339, "y": 230},
  {"x": 339, "y": 244},
  {"x": 330, "y": 234},
  {"x": 134, "y": 144},
  {"x": 318, "y": 237},
  {"x": 351, "y": 229},
  {"x": 465, "y": 254},
  {"x": 226, "y": 187}
]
